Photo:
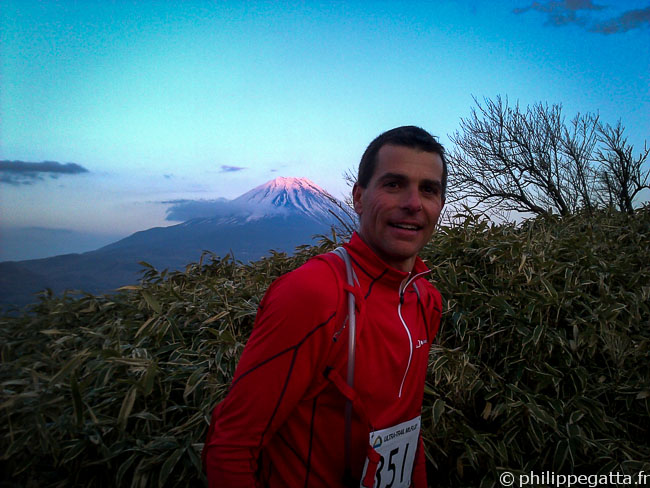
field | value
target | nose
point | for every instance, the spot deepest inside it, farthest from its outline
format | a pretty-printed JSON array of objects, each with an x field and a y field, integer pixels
[{"x": 412, "y": 200}]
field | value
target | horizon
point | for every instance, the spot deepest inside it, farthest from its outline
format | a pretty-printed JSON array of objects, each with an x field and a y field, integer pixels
[
  {"x": 119, "y": 110},
  {"x": 178, "y": 213}
]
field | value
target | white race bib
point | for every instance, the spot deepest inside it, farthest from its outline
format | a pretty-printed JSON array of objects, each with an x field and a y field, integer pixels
[{"x": 397, "y": 446}]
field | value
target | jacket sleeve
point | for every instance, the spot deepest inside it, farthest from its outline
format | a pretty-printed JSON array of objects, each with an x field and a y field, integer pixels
[{"x": 283, "y": 355}]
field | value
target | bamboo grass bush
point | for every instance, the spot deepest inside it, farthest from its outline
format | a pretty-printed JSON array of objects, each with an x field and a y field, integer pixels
[{"x": 542, "y": 362}]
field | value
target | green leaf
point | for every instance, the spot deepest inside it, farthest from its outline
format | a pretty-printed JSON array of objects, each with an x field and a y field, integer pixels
[
  {"x": 194, "y": 381},
  {"x": 124, "y": 467},
  {"x": 537, "y": 333},
  {"x": 76, "y": 399},
  {"x": 168, "y": 466},
  {"x": 148, "y": 380},
  {"x": 541, "y": 415},
  {"x": 146, "y": 416},
  {"x": 127, "y": 406},
  {"x": 438, "y": 409},
  {"x": 561, "y": 452},
  {"x": 151, "y": 301},
  {"x": 70, "y": 366}
]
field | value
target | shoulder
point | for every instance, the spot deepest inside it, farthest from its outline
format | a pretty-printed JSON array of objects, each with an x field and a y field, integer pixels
[
  {"x": 432, "y": 301},
  {"x": 433, "y": 298},
  {"x": 315, "y": 284}
]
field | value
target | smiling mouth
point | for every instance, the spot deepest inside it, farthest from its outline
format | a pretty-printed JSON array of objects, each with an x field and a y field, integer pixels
[{"x": 406, "y": 226}]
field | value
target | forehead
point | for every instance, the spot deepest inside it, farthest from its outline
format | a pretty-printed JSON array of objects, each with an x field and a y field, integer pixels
[{"x": 409, "y": 162}]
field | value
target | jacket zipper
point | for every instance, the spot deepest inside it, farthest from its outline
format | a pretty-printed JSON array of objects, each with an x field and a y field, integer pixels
[{"x": 402, "y": 289}]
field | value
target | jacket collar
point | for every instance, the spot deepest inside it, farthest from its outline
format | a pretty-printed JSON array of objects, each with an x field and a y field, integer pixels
[{"x": 374, "y": 266}]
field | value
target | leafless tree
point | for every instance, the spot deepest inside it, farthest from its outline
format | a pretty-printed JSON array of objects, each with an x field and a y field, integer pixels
[
  {"x": 533, "y": 161},
  {"x": 620, "y": 174}
]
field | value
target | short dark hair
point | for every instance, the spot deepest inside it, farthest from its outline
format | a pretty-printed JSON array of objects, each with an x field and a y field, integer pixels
[{"x": 407, "y": 136}]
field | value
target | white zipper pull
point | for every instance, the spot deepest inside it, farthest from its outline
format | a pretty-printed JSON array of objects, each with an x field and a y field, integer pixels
[{"x": 402, "y": 290}]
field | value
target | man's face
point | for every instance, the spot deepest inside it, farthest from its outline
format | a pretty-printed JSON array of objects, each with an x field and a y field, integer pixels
[{"x": 400, "y": 206}]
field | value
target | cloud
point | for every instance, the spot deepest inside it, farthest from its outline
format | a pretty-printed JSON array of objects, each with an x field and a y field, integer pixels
[
  {"x": 230, "y": 169},
  {"x": 18, "y": 179},
  {"x": 565, "y": 12},
  {"x": 23, "y": 173},
  {"x": 183, "y": 210},
  {"x": 44, "y": 167},
  {"x": 580, "y": 12},
  {"x": 560, "y": 7},
  {"x": 632, "y": 19}
]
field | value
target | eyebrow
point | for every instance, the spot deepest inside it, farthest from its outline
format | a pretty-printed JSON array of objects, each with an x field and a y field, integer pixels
[
  {"x": 402, "y": 178},
  {"x": 392, "y": 176}
]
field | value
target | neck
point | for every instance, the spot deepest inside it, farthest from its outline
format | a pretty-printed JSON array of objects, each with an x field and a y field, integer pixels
[{"x": 405, "y": 265}]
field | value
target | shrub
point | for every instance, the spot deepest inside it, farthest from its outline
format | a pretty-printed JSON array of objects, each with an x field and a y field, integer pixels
[
  {"x": 541, "y": 363},
  {"x": 117, "y": 390}
]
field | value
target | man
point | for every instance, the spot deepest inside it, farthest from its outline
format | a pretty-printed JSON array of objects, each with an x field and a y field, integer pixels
[{"x": 304, "y": 409}]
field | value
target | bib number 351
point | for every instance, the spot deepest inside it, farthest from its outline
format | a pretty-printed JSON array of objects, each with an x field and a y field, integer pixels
[{"x": 397, "y": 446}]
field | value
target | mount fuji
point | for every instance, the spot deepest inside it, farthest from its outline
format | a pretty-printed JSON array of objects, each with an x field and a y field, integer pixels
[
  {"x": 281, "y": 197},
  {"x": 286, "y": 196},
  {"x": 278, "y": 215}
]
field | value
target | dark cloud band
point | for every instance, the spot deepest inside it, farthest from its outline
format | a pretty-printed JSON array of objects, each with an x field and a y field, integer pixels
[
  {"x": 44, "y": 167},
  {"x": 24, "y": 173},
  {"x": 578, "y": 12},
  {"x": 632, "y": 19},
  {"x": 230, "y": 169}
]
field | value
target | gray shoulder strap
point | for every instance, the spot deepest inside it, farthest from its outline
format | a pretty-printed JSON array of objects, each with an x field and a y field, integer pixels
[
  {"x": 352, "y": 338},
  {"x": 349, "y": 271}
]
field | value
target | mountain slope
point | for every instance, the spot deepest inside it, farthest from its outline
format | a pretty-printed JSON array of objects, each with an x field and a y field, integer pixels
[{"x": 279, "y": 215}]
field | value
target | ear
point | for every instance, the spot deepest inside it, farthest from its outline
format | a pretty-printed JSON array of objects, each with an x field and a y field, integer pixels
[{"x": 357, "y": 192}]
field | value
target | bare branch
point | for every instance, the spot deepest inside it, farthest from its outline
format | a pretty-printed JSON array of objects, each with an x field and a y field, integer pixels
[
  {"x": 508, "y": 159},
  {"x": 621, "y": 175}
]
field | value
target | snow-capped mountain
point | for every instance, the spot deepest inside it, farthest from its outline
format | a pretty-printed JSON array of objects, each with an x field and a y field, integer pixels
[
  {"x": 283, "y": 196},
  {"x": 278, "y": 215}
]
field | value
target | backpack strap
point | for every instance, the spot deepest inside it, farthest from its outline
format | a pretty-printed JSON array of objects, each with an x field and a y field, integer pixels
[
  {"x": 352, "y": 322},
  {"x": 335, "y": 375},
  {"x": 352, "y": 339}
]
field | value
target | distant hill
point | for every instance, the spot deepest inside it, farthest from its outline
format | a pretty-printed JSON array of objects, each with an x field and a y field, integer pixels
[{"x": 278, "y": 215}]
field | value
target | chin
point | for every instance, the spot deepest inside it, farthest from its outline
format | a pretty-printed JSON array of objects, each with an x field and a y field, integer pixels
[
  {"x": 408, "y": 248},
  {"x": 402, "y": 253}
]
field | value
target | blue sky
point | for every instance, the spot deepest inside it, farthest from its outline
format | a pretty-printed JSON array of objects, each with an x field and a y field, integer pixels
[{"x": 157, "y": 101}]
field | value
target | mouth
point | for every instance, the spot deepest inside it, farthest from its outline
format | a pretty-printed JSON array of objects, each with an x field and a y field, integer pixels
[{"x": 405, "y": 226}]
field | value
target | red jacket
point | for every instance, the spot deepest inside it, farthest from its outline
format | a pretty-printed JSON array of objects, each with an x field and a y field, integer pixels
[{"x": 281, "y": 423}]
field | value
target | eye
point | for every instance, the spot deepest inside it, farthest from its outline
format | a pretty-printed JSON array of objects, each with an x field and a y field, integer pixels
[{"x": 391, "y": 184}]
